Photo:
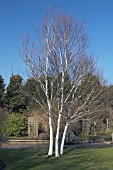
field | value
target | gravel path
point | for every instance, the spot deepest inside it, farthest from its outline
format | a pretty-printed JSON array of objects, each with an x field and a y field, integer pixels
[
  {"x": 83, "y": 145},
  {"x": 91, "y": 145},
  {"x": 6, "y": 146}
]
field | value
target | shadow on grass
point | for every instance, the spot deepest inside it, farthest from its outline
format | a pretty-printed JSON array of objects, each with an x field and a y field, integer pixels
[
  {"x": 2, "y": 165},
  {"x": 77, "y": 159}
]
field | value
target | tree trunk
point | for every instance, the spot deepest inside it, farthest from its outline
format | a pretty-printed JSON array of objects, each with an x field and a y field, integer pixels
[
  {"x": 50, "y": 152},
  {"x": 57, "y": 137},
  {"x": 63, "y": 139}
]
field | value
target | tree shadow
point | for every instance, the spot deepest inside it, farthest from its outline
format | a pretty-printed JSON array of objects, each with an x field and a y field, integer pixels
[{"x": 2, "y": 165}]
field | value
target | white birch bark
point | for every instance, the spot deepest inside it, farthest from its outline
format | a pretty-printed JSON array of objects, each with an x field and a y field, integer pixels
[
  {"x": 63, "y": 139},
  {"x": 50, "y": 151},
  {"x": 57, "y": 137},
  {"x": 59, "y": 116}
]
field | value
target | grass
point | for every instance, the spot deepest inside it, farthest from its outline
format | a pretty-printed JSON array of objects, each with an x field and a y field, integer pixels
[{"x": 73, "y": 159}]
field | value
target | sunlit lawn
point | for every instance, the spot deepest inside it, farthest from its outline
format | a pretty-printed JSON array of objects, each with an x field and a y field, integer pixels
[{"x": 73, "y": 159}]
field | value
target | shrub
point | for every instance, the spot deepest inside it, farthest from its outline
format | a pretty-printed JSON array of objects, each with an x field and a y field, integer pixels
[
  {"x": 17, "y": 125},
  {"x": 107, "y": 137},
  {"x": 109, "y": 131},
  {"x": 3, "y": 125}
]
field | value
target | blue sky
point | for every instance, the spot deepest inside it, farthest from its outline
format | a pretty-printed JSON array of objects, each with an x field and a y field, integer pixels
[{"x": 20, "y": 16}]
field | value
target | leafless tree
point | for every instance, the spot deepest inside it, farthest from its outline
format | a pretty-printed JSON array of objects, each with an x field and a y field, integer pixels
[
  {"x": 85, "y": 101},
  {"x": 59, "y": 63}
]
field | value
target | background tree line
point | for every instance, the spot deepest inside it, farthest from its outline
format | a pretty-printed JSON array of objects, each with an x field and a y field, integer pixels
[{"x": 17, "y": 100}]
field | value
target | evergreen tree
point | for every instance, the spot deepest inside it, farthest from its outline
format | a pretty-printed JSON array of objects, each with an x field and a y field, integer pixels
[
  {"x": 2, "y": 89},
  {"x": 109, "y": 95},
  {"x": 33, "y": 91},
  {"x": 30, "y": 90},
  {"x": 15, "y": 98}
]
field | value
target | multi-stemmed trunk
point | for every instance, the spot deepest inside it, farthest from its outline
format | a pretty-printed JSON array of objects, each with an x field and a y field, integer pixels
[{"x": 63, "y": 139}]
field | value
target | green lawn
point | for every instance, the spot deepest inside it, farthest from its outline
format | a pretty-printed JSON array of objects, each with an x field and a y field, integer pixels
[{"x": 73, "y": 159}]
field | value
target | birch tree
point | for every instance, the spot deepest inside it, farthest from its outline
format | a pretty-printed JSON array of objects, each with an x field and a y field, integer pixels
[
  {"x": 58, "y": 51},
  {"x": 86, "y": 101}
]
